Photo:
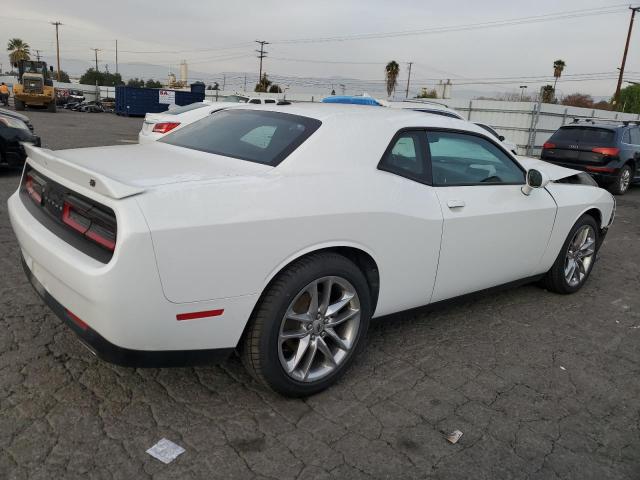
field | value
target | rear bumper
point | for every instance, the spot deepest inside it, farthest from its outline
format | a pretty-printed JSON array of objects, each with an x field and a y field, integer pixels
[
  {"x": 595, "y": 170},
  {"x": 126, "y": 357},
  {"x": 122, "y": 302}
]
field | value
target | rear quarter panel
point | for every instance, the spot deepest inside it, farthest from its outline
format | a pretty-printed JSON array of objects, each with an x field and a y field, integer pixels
[{"x": 229, "y": 237}]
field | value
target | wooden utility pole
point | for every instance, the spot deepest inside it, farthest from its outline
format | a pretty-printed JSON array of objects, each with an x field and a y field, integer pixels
[
  {"x": 406, "y": 95},
  {"x": 57, "y": 24},
  {"x": 116, "y": 56},
  {"x": 616, "y": 96},
  {"x": 96, "y": 50},
  {"x": 38, "y": 54},
  {"x": 262, "y": 55}
]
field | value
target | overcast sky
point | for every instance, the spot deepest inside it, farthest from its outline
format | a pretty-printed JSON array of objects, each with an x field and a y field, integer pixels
[{"x": 216, "y": 37}]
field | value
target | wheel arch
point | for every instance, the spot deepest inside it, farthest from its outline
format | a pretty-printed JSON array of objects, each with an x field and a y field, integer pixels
[
  {"x": 359, "y": 255},
  {"x": 595, "y": 213}
]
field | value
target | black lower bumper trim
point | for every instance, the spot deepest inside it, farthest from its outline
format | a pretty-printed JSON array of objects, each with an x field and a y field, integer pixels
[{"x": 126, "y": 357}]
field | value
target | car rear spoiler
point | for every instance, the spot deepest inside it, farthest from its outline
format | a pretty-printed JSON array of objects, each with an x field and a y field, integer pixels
[{"x": 79, "y": 175}]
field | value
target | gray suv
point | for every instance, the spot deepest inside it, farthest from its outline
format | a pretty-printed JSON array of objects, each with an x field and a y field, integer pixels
[{"x": 610, "y": 152}]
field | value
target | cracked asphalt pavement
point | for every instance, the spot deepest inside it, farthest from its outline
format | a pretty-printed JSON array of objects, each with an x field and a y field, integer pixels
[{"x": 543, "y": 386}]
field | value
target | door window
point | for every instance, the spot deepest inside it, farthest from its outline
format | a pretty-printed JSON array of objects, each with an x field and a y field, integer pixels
[
  {"x": 405, "y": 156},
  {"x": 635, "y": 135},
  {"x": 463, "y": 159}
]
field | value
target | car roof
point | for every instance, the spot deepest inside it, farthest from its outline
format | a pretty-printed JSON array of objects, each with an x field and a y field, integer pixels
[
  {"x": 394, "y": 117},
  {"x": 425, "y": 107},
  {"x": 351, "y": 99},
  {"x": 600, "y": 126}
]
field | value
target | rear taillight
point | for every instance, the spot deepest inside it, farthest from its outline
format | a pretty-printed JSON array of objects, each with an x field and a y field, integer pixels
[
  {"x": 607, "y": 151},
  {"x": 165, "y": 127},
  {"x": 34, "y": 188},
  {"x": 549, "y": 145},
  {"x": 90, "y": 222}
]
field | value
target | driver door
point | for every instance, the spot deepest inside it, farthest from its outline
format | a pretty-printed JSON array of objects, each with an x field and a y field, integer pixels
[{"x": 492, "y": 233}]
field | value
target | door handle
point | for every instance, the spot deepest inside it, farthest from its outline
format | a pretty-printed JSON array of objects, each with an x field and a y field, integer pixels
[{"x": 455, "y": 203}]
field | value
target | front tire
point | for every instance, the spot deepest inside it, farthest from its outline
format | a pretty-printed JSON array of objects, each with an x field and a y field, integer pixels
[
  {"x": 575, "y": 261},
  {"x": 622, "y": 181},
  {"x": 18, "y": 104},
  {"x": 308, "y": 326},
  {"x": 51, "y": 107}
]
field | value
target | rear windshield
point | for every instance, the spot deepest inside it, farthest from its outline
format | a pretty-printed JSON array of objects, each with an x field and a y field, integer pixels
[
  {"x": 256, "y": 136},
  {"x": 584, "y": 136},
  {"x": 186, "y": 108}
]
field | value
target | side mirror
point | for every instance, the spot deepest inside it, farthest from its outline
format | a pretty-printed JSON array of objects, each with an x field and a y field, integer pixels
[
  {"x": 535, "y": 179},
  {"x": 501, "y": 138}
]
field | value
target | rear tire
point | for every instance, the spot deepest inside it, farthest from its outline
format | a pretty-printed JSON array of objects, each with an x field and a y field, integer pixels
[
  {"x": 52, "y": 107},
  {"x": 623, "y": 181},
  {"x": 575, "y": 261},
  {"x": 19, "y": 104},
  {"x": 303, "y": 351}
]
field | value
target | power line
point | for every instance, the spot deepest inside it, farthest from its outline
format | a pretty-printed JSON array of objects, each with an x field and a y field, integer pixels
[{"x": 470, "y": 26}]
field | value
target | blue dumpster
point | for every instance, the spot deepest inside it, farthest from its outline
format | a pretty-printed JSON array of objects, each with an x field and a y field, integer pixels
[{"x": 132, "y": 101}]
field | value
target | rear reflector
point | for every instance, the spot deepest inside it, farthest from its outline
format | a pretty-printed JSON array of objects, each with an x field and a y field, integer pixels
[
  {"x": 196, "y": 315},
  {"x": 165, "y": 127},
  {"x": 601, "y": 169},
  {"x": 549, "y": 145},
  {"x": 75, "y": 319},
  {"x": 608, "y": 151}
]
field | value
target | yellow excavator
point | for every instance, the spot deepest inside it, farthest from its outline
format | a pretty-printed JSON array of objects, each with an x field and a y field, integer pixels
[{"x": 35, "y": 85}]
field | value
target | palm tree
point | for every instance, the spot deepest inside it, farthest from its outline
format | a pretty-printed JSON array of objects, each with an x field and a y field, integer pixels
[
  {"x": 18, "y": 50},
  {"x": 392, "y": 71},
  {"x": 547, "y": 94},
  {"x": 558, "y": 67}
]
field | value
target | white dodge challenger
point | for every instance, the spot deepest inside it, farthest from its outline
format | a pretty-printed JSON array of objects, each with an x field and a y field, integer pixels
[{"x": 280, "y": 231}]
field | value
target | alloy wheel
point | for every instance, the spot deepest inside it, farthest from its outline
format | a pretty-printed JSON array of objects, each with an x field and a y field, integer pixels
[
  {"x": 580, "y": 255},
  {"x": 319, "y": 329},
  {"x": 625, "y": 180}
]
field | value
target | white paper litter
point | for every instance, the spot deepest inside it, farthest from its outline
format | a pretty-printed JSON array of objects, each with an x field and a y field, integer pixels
[
  {"x": 454, "y": 436},
  {"x": 562, "y": 368},
  {"x": 166, "y": 451}
]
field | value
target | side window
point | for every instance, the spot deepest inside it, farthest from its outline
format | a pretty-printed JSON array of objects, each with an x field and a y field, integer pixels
[
  {"x": 635, "y": 135},
  {"x": 626, "y": 138},
  {"x": 254, "y": 100},
  {"x": 463, "y": 159},
  {"x": 406, "y": 156},
  {"x": 269, "y": 101}
]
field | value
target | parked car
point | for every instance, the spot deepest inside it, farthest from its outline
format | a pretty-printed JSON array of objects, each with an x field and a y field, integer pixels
[
  {"x": 280, "y": 231},
  {"x": 236, "y": 98},
  {"x": 13, "y": 132},
  {"x": 19, "y": 116},
  {"x": 610, "y": 152},
  {"x": 427, "y": 106},
  {"x": 512, "y": 147},
  {"x": 156, "y": 125}
]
